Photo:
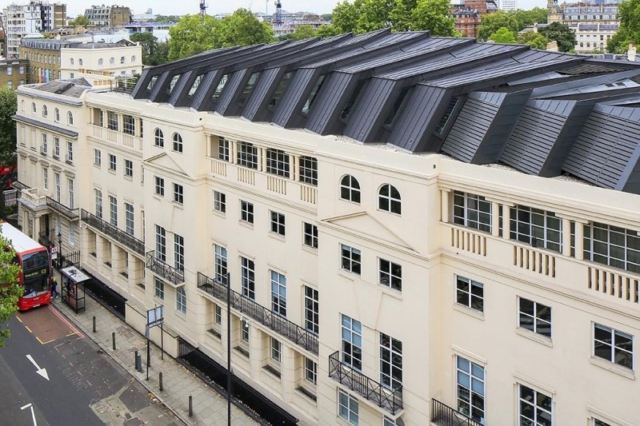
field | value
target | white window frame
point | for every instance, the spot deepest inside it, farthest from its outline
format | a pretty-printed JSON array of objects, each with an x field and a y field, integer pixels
[
  {"x": 223, "y": 149},
  {"x": 247, "y": 155},
  {"x": 350, "y": 259},
  {"x": 113, "y": 211},
  {"x": 128, "y": 168},
  {"x": 113, "y": 163},
  {"x": 619, "y": 254},
  {"x": 159, "y": 289},
  {"x": 352, "y": 343},
  {"x": 391, "y": 373},
  {"x": 161, "y": 243},
  {"x": 178, "y": 193},
  {"x": 538, "y": 235},
  {"x": 350, "y": 189},
  {"x": 348, "y": 407},
  {"x": 159, "y": 186},
  {"x": 220, "y": 263},
  {"x": 278, "y": 293},
  {"x": 220, "y": 202},
  {"x": 178, "y": 252},
  {"x": 278, "y": 223},
  {"x": 472, "y": 211},
  {"x": 276, "y": 350},
  {"x": 129, "y": 218},
  {"x": 278, "y": 162},
  {"x": 389, "y": 199},
  {"x": 56, "y": 147},
  {"x": 470, "y": 388},
  {"x": 181, "y": 300},
  {"x": 534, "y": 403},
  {"x": 98, "y": 194},
  {"x": 311, "y": 310},
  {"x": 177, "y": 142},
  {"x": 390, "y": 274},
  {"x": 45, "y": 178},
  {"x": 248, "y": 277},
  {"x": 613, "y": 343},
  {"x": 535, "y": 322},
  {"x": 472, "y": 297},
  {"x": 244, "y": 332},
  {"x": 57, "y": 180},
  {"x": 310, "y": 235},
  {"x": 246, "y": 211},
  {"x": 97, "y": 157},
  {"x": 308, "y": 170},
  {"x": 310, "y": 371},
  {"x": 158, "y": 138},
  {"x": 71, "y": 194}
]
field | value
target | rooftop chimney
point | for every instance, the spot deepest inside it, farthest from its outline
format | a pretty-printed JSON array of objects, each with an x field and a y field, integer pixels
[
  {"x": 552, "y": 46},
  {"x": 631, "y": 53}
]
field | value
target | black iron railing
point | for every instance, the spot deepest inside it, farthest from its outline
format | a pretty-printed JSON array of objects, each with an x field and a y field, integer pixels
[
  {"x": 264, "y": 316},
  {"x": 390, "y": 400},
  {"x": 71, "y": 214},
  {"x": 114, "y": 232},
  {"x": 443, "y": 415},
  {"x": 19, "y": 185},
  {"x": 159, "y": 267}
]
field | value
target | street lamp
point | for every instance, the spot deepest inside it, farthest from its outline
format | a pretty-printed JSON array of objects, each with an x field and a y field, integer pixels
[{"x": 59, "y": 249}]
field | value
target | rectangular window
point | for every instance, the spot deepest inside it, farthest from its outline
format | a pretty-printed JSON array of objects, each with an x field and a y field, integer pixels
[
  {"x": 220, "y": 263},
  {"x": 113, "y": 162},
  {"x": 390, "y": 274},
  {"x": 245, "y": 331},
  {"x": 470, "y": 293},
  {"x": 112, "y": 120},
  {"x": 45, "y": 178},
  {"x": 159, "y": 289},
  {"x": 536, "y": 227},
  {"x": 72, "y": 198},
  {"x": 128, "y": 168},
  {"x": 351, "y": 259},
  {"x": 612, "y": 246},
  {"x": 181, "y": 300},
  {"x": 276, "y": 350},
  {"x": 58, "y": 186},
  {"x": 128, "y": 208},
  {"x": 352, "y": 343},
  {"x": 98, "y": 203},
  {"x": 247, "y": 155},
  {"x": 390, "y": 362},
  {"x": 113, "y": 210},
  {"x": 310, "y": 235},
  {"x": 277, "y": 162},
  {"x": 309, "y": 170},
  {"x": 246, "y": 211},
  {"x": 129, "y": 125},
  {"x": 613, "y": 345},
  {"x": 178, "y": 193},
  {"x": 159, "y": 186},
  {"x": 69, "y": 152},
  {"x": 277, "y": 223},
  {"x": 44, "y": 144},
  {"x": 219, "y": 202},
  {"x": 470, "y": 389},
  {"x": 248, "y": 276},
  {"x": 311, "y": 310},
  {"x": 535, "y": 408},
  {"x": 161, "y": 243},
  {"x": 56, "y": 148},
  {"x": 310, "y": 371},
  {"x": 278, "y": 293},
  {"x": 178, "y": 252},
  {"x": 218, "y": 315},
  {"x": 97, "y": 157},
  {"x": 472, "y": 211},
  {"x": 534, "y": 317},
  {"x": 314, "y": 93},
  {"x": 348, "y": 407},
  {"x": 223, "y": 149}
]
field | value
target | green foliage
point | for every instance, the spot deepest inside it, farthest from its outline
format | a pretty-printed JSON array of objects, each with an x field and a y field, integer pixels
[
  {"x": 629, "y": 30},
  {"x": 619, "y": 42},
  {"x": 433, "y": 15},
  {"x": 192, "y": 35},
  {"x": 529, "y": 17},
  {"x": 302, "y": 32},
  {"x": 533, "y": 39},
  {"x": 328, "y": 31},
  {"x": 345, "y": 16},
  {"x": 10, "y": 290},
  {"x": 401, "y": 14},
  {"x": 153, "y": 53},
  {"x": 8, "y": 107},
  {"x": 326, "y": 16},
  {"x": 374, "y": 15},
  {"x": 165, "y": 19},
  {"x": 80, "y": 21},
  {"x": 560, "y": 33},
  {"x": 503, "y": 35},
  {"x": 242, "y": 28},
  {"x": 492, "y": 22}
]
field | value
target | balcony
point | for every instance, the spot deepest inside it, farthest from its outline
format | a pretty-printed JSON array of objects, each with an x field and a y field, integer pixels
[
  {"x": 71, "y": 214},
  {"x": 120, "y": 138},
  {"x": 162, "y": 269},
  {"x": 20, "y": 186},
  {"x": 443, "y": 415},
  {"x": 30, "y": 199},
  {"x": 390, "y": 400},
  {"x": 298, "y": 335},
  {"x": 113, "y": 232}
]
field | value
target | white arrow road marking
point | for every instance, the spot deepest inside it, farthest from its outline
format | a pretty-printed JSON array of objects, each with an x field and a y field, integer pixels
[
  {"x": 40, "y": 371},
  {"x": 33, "y": 414}
]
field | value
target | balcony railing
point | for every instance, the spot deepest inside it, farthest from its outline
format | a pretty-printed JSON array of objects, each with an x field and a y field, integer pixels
[
  {"x": 443, "y": 415},
  {"x": 71, "y": 214},
  {"x": 161, "y": 268},
  {"x": 20, "y": 186},
  {"x": 112, "y": 231},
  {"x": 390, "y": 400},
  {"x": 264, "y": 316}
]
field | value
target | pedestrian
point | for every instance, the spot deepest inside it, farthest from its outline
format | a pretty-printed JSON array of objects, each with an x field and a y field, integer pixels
[{"x": 54, "y": 288}]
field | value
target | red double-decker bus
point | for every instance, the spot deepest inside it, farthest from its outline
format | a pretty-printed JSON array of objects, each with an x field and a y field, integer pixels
[{"x": 35, "y": 268}]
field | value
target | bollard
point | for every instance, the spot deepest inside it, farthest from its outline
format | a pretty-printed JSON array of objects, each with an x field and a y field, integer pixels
[
  {"x": 190, "y": 406},
  {"x": 138, "y": 362},
  {"x": 94, "y": 323},
  {"x": 113, "y": 337},
  {"x": 160, "y": 380}
]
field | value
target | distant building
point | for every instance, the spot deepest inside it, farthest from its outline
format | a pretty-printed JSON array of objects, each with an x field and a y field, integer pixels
[
  {"x": 468, "y": 15},
  {"x": 159, "y": 30},
  {"x": 33, "y": 17},
  {"x": 143, "y": 17},
  {"x": 108, "y": 16},
  {"x": 291, "y": 21},
  {"x": 508, "y": 5},
  {"x": 13, "y": 73},
  {"x": 593, "y": 23}
]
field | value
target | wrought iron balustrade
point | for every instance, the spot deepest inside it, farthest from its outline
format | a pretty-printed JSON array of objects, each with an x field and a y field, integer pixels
[
  {"x": 443, "y": 415},
  {"x": 166, "y": 271},
  {"x": 71, "y": 214},
  {"x": 112, "y": 231},
  {"x": 390, "y": 400},
  {"x": 298, "y": 335}
]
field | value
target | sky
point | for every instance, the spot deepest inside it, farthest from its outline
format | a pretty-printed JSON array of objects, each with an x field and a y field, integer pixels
[{"x": 170, "y": 7}]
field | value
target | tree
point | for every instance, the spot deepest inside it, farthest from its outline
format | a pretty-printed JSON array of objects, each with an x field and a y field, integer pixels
[
  {"x": 503, "y": 35},
  {"x": 328, "y": 31},
  {"x": 80, "y": 21},
  {"x": 242, "y": 28},
  {"x": 10, "y": 290},
  {"x": 152, "y": 53},
  {"x": 8, "y": 107},
  {"x": 162, "y": 19},
  {"x": 533, "y": 39},
  {"x": 433, "y": 15},
  {"x": 537, "y": 15},
  {"x": 619, "y": 42},
  {"x": 302, "y": 32},
  {"x": 345, "y": 16},
  {"x": 492, "y": 22},
  {"x": 629, "y": 29},
  {"x": 192, "y": 35},
  {"x": 560, "y": 33},
  {"x": 374, "y": 15},
  {"x": 326, "y": 16},
  {"x": 401, "y": 14}
]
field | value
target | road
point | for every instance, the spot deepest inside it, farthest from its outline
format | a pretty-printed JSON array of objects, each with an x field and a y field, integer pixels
[{"x": 81, "y": 385}]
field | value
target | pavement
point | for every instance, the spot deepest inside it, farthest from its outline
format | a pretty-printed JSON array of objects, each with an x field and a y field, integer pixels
[{"x": 209, "y": 407}]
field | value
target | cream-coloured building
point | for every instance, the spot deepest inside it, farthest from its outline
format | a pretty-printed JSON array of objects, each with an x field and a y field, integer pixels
[{"x": 454, "y": 234}]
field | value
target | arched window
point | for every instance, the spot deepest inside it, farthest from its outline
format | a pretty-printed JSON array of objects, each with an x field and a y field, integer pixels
[
  {"x": 350, "y": 189},
  {"x": 159, "y": 138},
  {"x": 122, "y": 60},
  {"x": 100, "y": 61},
  {"x": 56, "y": 115},
  {"x": 133, "y": 59},
  {"x": 112, "y": 60},
  {"x": 45, "y": 111},
  {"x": 177, "y": 142},
  {"x": 34, "y": 109},
  {"x": 72, "y": 61},
  {"x": 70, "y": 118},
  {"x": 389, "y": 199},
  {"x": 80, "y": 62}
]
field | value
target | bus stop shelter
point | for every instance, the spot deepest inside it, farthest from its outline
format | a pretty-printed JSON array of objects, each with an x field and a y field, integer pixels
[{"x": 73, "y": 293}]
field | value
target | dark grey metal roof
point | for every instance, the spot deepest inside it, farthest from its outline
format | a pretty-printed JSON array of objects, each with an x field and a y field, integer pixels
[{"x": 541, "y": 112}]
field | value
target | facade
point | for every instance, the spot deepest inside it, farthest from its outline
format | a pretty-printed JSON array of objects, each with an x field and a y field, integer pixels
[
  {"x": 468, "y": 15},
  {"x": 416, "y": 229},
  {"x": 594, "y": 24},
  {"x": 13, "y": 73},
  {"x": 159, "y": 30},
  {"x": 99, "y": 63},
  {"x": 33, "y": 17},
  {"x": 108, "y": 16},
  {"x": 508, "y": 5}
]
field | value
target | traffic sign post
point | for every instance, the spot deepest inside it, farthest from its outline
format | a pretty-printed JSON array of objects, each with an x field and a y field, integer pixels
[{"x": 155, "y": 317}]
